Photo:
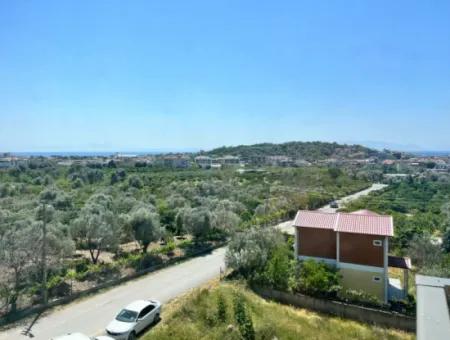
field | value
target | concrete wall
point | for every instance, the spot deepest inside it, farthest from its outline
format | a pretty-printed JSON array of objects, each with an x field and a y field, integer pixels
[
  {"x": 354, "y": 312},
  {"x": 363, "y": 280}
]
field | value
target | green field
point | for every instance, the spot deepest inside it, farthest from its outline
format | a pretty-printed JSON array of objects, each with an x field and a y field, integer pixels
[{"x": 194, "y": 316}]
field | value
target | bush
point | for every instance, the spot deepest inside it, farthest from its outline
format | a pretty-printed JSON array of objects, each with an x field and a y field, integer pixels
[
  {"x": 148, "y": 260},
  {"x": 317, "y": 279},
  {"x": 135, "y": 181},
  {"x": 360, "y": 297},
  {"x": 248, "y": 252},
  {"x": 279, "y": 268},
  {"x": 80, "y": 265},
  {"x": 221, "y": 309},
  {"x": 243, "y": 319},
  {"x": 166, "y": 249}
]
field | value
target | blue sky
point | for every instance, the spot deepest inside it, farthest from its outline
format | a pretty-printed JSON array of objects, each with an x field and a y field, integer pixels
[{"x": 140, "y": 75}]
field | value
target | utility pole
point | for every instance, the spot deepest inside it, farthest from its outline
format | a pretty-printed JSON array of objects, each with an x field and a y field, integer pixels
[{"x": 44, "y": 255}]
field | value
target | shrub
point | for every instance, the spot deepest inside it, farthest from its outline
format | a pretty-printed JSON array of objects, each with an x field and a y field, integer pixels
[
  {"x": 279, "y": 268},
  {"x": 248, "y": 252},
  {"x": 360, "y": 297},
  {"x": 80, "y": 265},
  {"x": 148, "y": 260},
  {"x": 136, "y": 182},
  {"x": 243, "y": 319},
  {"x": 221, "y": 309},
  {"x": 166, "y": 249},
  {"x": 317, "y": 278}
]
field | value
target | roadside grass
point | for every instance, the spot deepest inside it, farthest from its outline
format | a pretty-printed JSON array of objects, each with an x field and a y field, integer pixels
[{"x": 195, "y": 316}]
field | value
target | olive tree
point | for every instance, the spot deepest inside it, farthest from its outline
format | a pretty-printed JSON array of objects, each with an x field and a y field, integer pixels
[
  {"x": 248, "y": 252},
  {"x": 96, "y": 227},
  {"x": 21, "y": 249},
  {"x": 17, "y": 245},
  {"x": 197, "y": 222},
  {"x": 225, "y": 220},
  {"x": 145, "y": 226}
]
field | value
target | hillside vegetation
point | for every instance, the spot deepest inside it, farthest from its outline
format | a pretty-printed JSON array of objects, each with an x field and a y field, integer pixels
[
  {"x": 421, "y": 210},
  {"x": 209, "y": 313},
  {"x": 301, "y": 150},
  {"x": 103, "y": 221}
]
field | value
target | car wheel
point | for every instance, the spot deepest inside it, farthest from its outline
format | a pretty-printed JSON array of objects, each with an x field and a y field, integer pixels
[
  {"x": 157, "y": 318},
  {"x": 132, "y": 336}
]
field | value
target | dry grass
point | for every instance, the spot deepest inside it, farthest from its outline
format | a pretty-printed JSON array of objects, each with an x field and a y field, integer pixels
[{"x": 193, "y": 316}]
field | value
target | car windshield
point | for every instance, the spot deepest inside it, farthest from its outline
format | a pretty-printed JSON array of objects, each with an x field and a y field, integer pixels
[{"x": 126, "y": 316}]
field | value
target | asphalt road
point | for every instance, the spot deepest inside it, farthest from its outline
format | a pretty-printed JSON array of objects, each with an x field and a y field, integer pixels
[
  {"x": 92, "y": 314},
  {"x": 352, "y": 197}
]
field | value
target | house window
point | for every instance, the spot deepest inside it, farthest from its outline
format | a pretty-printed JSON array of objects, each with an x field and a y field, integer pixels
[
  {"x": 377, "y": 243},
  {"x": 376, "y": 279}
]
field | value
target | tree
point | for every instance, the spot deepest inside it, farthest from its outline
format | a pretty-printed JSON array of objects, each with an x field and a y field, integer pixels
[
  {"x": 446, "y": 240},
  {"x": 334, "y": 172},
  {"x": 44, "y": 214},
  {"x": 429, "y": 257},
  {"x": 179, "y": 226},
  {"x": 21, "y": 248},
  {"x": 197, "y": 222},
  {"x": 225, "y": 220},
  {"x": 17, "y": 245},
  {"x": 280, "y": 268},
  {"x": 167, "y": 215},
  {"x": 135, "y": 181},
  {"x": 248, "y": 252},
  {"x": 145, "y": 226},
  {"x": 96, "y": 227}
]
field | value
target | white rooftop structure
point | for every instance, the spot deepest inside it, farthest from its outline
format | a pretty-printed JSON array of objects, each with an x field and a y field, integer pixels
[{"x": 433, "y": 318}]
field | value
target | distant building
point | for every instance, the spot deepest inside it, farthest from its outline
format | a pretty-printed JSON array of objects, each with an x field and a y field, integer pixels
[
  {"x": 396, "y": 175},
  {"x": 65, "y": 163},
  {"x": 433, "y": 310},
  {"x": 301, "y": 162},
  {"x": 279, "y": 160},
  {"x": 203, "y": 161},
  {"x": 227, "y": 160},
  {"x": 176, "y": 161},
  {"x": 255, "y": 160},
  {"x": 7, "y": 161}
]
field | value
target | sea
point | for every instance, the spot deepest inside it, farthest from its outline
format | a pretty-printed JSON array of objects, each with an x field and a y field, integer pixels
[
  {"x": 431, "y": 153},
  {"x": 97, "y": 153}
]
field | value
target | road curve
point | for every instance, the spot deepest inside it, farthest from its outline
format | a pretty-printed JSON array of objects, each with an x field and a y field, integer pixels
[{"x": 92, "y": 314}]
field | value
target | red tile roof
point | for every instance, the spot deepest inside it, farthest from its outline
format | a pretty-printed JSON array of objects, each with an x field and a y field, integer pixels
[
  {"x": 315, "y": 219},
  {"x": 369, "y": 224}
]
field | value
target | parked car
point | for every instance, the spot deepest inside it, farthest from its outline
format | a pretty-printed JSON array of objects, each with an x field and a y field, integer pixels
[
  {"x": 133, "y": 319},
  {"x": 334, "y": 205},
  {"x": 80, "y": 336}
]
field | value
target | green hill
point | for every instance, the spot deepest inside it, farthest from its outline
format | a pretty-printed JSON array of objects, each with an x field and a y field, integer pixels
[{"x": 299, "y": 150}]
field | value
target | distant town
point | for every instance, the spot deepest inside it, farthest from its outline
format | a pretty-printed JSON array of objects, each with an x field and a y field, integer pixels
[{"x": 396, "y": 162}]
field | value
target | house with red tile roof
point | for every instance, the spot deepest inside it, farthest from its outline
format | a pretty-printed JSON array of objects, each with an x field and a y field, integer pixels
[{"x": 357, "y": 243}]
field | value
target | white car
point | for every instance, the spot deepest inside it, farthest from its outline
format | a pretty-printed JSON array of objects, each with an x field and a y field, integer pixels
[
  {"x": 133, "y": 319},
  {"x": 80, "y": 336}
]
